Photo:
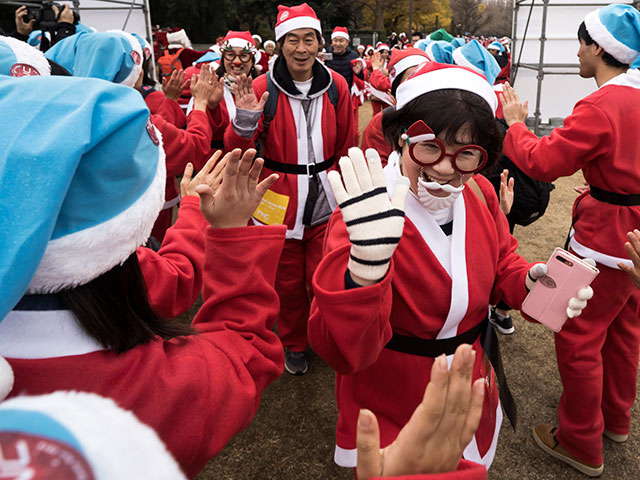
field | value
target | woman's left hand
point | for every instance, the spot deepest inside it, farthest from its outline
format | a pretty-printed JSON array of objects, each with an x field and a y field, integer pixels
[
  {"x": 210, "y": 174},
  {"x": 174, "y": 85},
  {"x": 512, "y": 109}
]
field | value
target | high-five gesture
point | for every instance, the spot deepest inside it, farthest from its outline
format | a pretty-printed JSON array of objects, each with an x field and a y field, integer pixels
[
  {"x": 374, "y": 221},
  {"x": 512, "y": 109},
  {"x": 438, "y": 431},
  {"x": 239, "y": 194},
  {"x": 245, "y": 96},
  {"x": 173, "y": 86},
  {"x": 210, "y": 174}
]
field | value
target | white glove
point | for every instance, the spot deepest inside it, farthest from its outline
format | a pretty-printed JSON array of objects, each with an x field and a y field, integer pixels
[
  {"x": 374, "y": 222},
  {"x": 535, "y": 272},
  {"x": 577, "y": 304}
]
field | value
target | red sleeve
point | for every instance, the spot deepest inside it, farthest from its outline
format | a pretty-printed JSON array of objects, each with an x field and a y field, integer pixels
[
  {"x": 183, "y": 146},
  {"x": 587, "y": 134},
  {"x": 379, "y": 81},
  {"x": 242, "y": 354},
  {"x": 372, "y": 137},
  {"x": 174, "y": 274},
  {"x": 512, "y": 268},
  {"x": 168, "y": 109},
  {"x": 347, "y": 328},
  {"x": 466, "y": 471},
  {"x": 219, "y": 120}
]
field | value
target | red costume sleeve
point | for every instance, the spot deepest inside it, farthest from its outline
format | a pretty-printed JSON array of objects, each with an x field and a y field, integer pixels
[
  {"x": 174, "y": 274},
  {"x": 587, "y": 134},
  {"x": 347, "y": 328},
  {"x": 466, "y": 471},
  {"x": 379, "y": 81},
  {"x": 168, "y": 109},
  {"x": 183, "y": 146}
]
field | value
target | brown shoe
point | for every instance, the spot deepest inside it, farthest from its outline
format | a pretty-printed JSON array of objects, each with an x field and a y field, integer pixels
[
  {"x": 545, "y": 437},
  {"x": 616, "y": 437}
]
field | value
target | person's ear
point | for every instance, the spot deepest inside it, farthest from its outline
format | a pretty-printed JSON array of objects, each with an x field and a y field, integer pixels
[{"x": 598, "y": 51}]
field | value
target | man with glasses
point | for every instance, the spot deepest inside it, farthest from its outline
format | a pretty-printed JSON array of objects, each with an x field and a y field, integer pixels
[{"x": 306, "y": 125}]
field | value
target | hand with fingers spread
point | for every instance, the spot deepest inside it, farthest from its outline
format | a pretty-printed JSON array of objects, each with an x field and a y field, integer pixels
[
  {"x": 512, "y": 109},
  {"x": 374, "y": 221},
  {"x": 506, "y": 192},
  {"x": 239, "y": 194},
  {"x": 438, "y": 431},
  {"x": 203, "y": 86},
  {"x": 173, "y": 86},
  {"x": 210, "y": 174},
  {"x": 633, "y": 249},
  {"x": 218, "y": 93},
  {"x": 245, "y": 97}
]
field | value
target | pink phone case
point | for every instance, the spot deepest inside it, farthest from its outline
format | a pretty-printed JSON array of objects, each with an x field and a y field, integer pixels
[{"x": 548, "y": 300}]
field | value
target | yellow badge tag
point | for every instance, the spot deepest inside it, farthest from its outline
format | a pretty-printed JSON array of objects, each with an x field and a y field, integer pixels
[{"x": 272, "y": 208}]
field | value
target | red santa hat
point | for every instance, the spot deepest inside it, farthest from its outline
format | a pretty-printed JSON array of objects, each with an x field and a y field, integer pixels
[
  {"x": 433, "y": 76},
  {"x": 407, "y": 58},
  {"x": 340, "y": 32},
  {"x": 382, "y": 46},
  {"x": 293, "y": 18},
  {"x": 239, "y": 39}
]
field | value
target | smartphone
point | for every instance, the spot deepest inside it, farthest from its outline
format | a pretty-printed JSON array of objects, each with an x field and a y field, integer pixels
[
  {"x": 327, "y": 56},
  {"x": 548, "y": 300}
]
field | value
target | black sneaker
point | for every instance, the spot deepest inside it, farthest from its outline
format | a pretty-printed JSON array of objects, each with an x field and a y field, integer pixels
[
  {"x": 295, "y": 362},
  {"x": 503, "y": 323}
]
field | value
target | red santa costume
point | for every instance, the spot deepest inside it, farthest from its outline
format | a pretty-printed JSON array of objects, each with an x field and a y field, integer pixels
[
  {"x": 87, "y": 216},
  {"x": 301, "y": 146},
  {"x": 597, "y": 352},
  {"x": 438, "y": 286},
  {"x": 401, "y": 61}
]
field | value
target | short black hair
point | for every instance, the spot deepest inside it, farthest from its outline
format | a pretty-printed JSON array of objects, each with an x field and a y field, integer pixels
[
  {"x": 448, "y": 110},
  {"x": 608, "y": 59}
]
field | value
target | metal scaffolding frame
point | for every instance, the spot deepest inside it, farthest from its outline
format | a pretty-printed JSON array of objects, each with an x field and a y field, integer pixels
[
  {"x": 131, "y": 5},
  {"x": 541, "y": 67}
]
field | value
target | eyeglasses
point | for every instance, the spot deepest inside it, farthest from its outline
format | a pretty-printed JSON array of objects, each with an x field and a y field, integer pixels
[
  {"x": 426, "y": 150},
  {"x": 467, "y": 159},
  {"x": 230, "y": 56}
]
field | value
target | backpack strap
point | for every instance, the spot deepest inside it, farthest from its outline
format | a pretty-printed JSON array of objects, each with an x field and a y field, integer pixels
[{"x": 477, "y": 190}]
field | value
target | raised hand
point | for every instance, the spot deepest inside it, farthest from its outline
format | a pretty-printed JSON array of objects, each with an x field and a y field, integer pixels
[
  {"x": 506, "y": 191},
  {"x": 633, "y": 249},
  {"x": 239, "y": 194},
  {"x": 173, "y": 86},
  {"x": 203, "y": 86},
  {"x": 245, "y": 96},
  {"x": 512, "y": 109},
  {"x": 210, "y": 174},
  {"x": 22, "y": 27},
  {"x": 374, "y": 221},
  {"x": 439, "y": 429}
]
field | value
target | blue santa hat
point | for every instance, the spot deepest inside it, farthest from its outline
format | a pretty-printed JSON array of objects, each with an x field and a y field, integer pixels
[
  {"x": 440, "y": 51},
  {"x": 18, "y": 59},
  {"x": 616, "y": 28},
  {"x": 208, "y": 57},
  {"x": 114, "y": 56},
  {"x": 82, "y": 180},
  {"x": 458, "y": 42},
  {"x": 474, "y": 56},
  {"x": 146, "y": 47},
  {"x": 496, "y": 46},
  {"x": 84, "y": 433},
  {"x": 422, "y": 44}
]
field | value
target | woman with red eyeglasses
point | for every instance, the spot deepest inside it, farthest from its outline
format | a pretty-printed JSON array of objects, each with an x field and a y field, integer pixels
[
  {"x": 382, "y": 314},
  {"x": 238, "y": 57}
]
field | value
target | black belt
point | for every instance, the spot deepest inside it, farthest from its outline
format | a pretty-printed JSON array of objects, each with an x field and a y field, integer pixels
[
  {"x": 622, "y": 199},
  {"x": 310, "y": 170},
  {"x": 433, "y": 348}
]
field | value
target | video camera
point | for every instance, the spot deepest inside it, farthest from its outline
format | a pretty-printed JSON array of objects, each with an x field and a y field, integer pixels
[{"x": 45, "y": 15}]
